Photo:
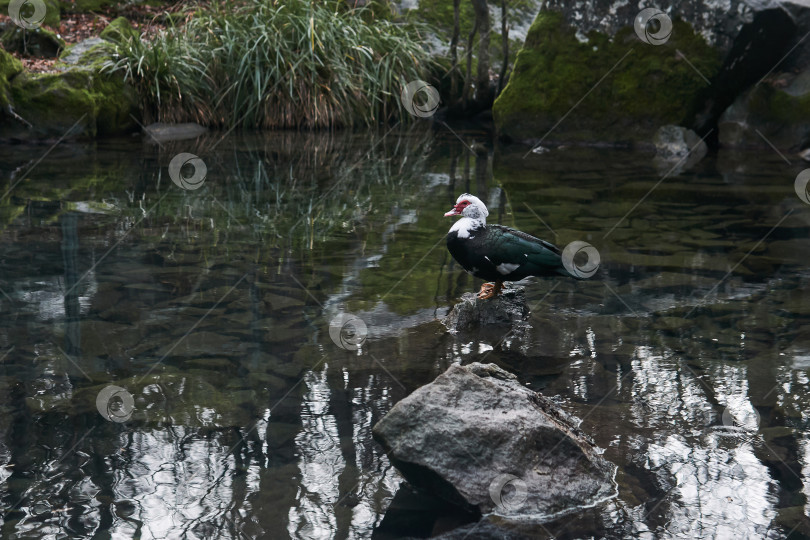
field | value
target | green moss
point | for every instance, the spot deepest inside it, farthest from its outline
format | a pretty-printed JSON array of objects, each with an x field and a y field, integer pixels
[
  {"x": 89, "y": 54},
  {"x": 115, "y": 106},
  {"x": 37, "y": 97},
  {"x": 9, "y": 67},
  {"x": 766, "y": 102},
  {"x": 781, "y": 114},
  {"x": 78, "y": 92},
  {"x": 649, "y": 87},
  {"x": 52, "y": 102},
  {"x": 119, "y": 31}
]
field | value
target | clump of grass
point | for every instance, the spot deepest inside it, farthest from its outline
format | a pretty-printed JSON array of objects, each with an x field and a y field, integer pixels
[{"x": 276, "y": 64}]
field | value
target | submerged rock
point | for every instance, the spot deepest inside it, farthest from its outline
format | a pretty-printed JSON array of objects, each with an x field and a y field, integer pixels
[
  {"x": 160, "y": 132},
  {"x": 677, "y": 149},
  {"x": 477, "y": 438},
  {"x": 676, "y": 142},
  {"x": 508, "y": 308}
]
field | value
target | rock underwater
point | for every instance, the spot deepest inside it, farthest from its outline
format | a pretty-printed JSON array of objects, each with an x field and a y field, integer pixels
[
  {"x": 477, "y": 438},
  {"x": 677, "y": 149}
]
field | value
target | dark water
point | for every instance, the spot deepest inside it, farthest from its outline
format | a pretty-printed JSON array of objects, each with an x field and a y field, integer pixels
[{"x": 686, "y": 356}]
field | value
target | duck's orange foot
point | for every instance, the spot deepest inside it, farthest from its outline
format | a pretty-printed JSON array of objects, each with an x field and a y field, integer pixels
[{"x": 490, "y": 290}]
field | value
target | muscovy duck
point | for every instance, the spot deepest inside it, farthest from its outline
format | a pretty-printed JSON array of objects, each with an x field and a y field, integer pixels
[{"x": 496, "y": 253}]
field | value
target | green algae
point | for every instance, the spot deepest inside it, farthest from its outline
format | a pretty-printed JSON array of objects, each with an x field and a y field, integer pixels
[
  {"x": 97, "y": 104},
  {"x": 778, "y": 111}
]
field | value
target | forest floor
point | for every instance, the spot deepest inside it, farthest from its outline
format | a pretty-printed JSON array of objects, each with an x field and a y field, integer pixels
[{"x": 75, "y": 27}]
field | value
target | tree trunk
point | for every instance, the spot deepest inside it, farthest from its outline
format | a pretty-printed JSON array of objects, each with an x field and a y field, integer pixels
[
  {"x": 454, "y": 49},
  {"x": 505, "y": 36},
  {"x": 482, "y": 79},
  {"x": 465, "y": 93}
]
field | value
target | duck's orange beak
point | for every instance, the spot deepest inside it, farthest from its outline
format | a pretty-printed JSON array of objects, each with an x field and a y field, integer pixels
[{"x": 454, "y": 212}]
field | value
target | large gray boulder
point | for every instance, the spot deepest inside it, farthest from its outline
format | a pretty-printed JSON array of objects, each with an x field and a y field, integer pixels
[
  {"x": 477, "y": 438},
  {"x": 718, "y": 22},
  {"x": 777, "y": 111},
  {"x": 612, "y": 70}
]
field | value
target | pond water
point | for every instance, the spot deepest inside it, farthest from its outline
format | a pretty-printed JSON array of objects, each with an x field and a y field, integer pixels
[{"x": 686, "y": 356}]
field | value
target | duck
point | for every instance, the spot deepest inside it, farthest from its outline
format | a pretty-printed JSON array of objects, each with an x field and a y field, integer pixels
[{"x": 496, "y": 253}]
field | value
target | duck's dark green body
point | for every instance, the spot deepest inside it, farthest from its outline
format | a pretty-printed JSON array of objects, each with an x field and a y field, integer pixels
[{"x": 498, "y": 253}]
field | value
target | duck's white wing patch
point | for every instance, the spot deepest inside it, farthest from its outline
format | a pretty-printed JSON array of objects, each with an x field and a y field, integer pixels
[
  {"x": 506, "y": 268},
  {"x": 463, "y": 227}
]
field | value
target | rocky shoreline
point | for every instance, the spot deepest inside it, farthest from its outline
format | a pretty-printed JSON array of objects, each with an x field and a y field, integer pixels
[
  {"x": 80, "y": 98},
  {"x": 737, "y": 75}
]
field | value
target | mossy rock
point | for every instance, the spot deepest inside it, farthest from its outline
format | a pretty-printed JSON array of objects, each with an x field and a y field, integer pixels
[
  {"x": 53, "y": 102},
  {"x": 780, "y": 111},
  {"x": 92, "y": 53},
  {"x": 98, "y": 103},
  {"x": 52, "y": 11},
  {"x": 557, "y": 76},
  {"x": 119, "y": 31},
  {"x": 39, "y": 42},
  {"x": 9, "y": 68}
]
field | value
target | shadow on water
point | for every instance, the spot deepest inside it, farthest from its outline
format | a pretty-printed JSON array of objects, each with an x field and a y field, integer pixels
[{"x": 686, "y": 356}]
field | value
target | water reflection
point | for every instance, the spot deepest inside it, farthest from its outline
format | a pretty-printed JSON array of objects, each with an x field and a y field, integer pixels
[{"x": 685, "y": 357}]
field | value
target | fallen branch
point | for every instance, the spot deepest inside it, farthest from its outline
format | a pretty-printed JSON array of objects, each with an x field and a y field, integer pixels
[{"x": 10, "y": 111}]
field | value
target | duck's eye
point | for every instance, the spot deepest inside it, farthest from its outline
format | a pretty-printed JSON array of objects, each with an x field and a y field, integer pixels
[{"x": 465, "y": 203}]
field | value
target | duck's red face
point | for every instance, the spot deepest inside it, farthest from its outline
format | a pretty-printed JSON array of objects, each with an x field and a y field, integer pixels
[{"x": 458, "y": 208}]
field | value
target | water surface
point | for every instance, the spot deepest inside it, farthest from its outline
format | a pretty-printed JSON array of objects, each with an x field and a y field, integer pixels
[{"x": 686, "y": 356}]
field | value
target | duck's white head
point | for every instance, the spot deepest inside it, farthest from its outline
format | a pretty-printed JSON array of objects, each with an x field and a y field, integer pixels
[
  {"x": 469, "y": 206},
  {"x": 473, "y": 214}
]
